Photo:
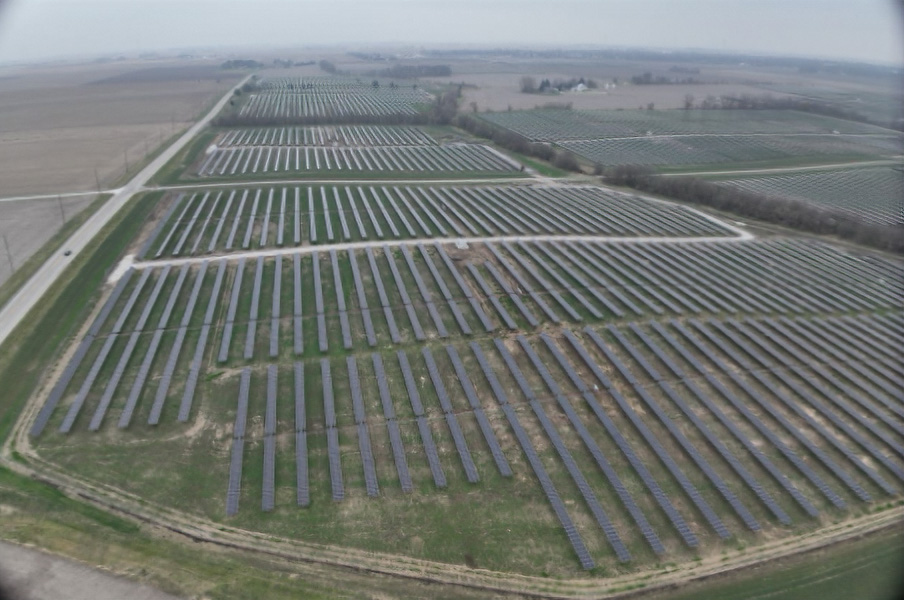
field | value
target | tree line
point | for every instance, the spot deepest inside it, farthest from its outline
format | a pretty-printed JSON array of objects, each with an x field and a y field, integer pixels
[
  {"x": 241, "y": 64},
  {"x": 510, "y": 140},
  {"x": 648, "y": 78},
  {"x": 529, "y": 85},
  {"x": 787, "y": 212},
  {"x": 412, "y": 71}
]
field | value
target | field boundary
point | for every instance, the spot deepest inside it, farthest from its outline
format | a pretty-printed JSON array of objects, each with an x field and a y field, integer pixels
[{"x": 197, "y": 529}]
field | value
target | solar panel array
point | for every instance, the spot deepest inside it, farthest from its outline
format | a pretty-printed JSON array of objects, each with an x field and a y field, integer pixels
[
  {"x": 439, "y": 476},
  {"x": 303, "y": 490},
  {"x": 455, "y": 159},
  {"x": 269, "y": 473},
  {"x": 234, "y": 488},
  {"x": 332, "y": 432},
  {"x": 765, "y": 393},
  {"x": 392, "y": 425},
  {"x": 341, "y": 213},
  {"x": 451, "y": 420},
  {"x": 367, "y": 455},
  {"x": 549, "y": 489}
]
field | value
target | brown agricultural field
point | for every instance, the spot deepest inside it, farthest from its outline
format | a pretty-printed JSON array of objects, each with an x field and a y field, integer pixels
[{"x": 59, "y": 124}]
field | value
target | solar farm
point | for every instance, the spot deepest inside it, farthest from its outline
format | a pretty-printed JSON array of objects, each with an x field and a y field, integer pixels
[
  {"x": 213, "y": 221},
  {"x": 699, "y": 137},
  {"x": 540, "y": 377},
  {"x": 350, "y": 151},
  {"x": 875, "y": 195},
  {"x": 310, "y": 98}
]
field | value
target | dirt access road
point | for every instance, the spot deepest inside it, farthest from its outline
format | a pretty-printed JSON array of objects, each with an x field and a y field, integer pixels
[{"x": 27, "y": 297}]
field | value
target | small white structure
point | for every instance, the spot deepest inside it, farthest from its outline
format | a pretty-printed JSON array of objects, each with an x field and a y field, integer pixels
[{"x": 579, "y": 88}]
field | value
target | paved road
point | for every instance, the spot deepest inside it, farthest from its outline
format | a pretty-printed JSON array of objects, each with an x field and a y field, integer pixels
[
  {"x": 27, "y": 574},
  {"x": 742, "y": 236},
  {"x": 55, "y": 196},
  {"x": 32, "y": 292}
]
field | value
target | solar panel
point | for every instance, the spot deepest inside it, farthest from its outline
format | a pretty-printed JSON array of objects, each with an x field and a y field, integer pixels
[
  {"x": 563, "y": 283},
  {"x": 414, "y": 398},
  {"x": 336, "y": 485},
  {"x": 589, "y": 496},
  {"x": 714, "y": 441},
  {"x": 340, "y": 300},
  {"x": 395, "y": 438},
  {"x": 274, "y": 307},
  {"x": 303, "y": 497},
  {"x": 823, "y": 410},
  {"x": 346, "y": 234},
  {"x": 268, "y": 489},
  {"x": 413, "y": 212},
  {"x": 451, "y": 420},
  {"x": 425, "y": 294},
  {"x": 176, "y": 223},
  {"x": 544, "y": 283},
  {"x": 326, "y": 216},
  {"x": 523, "y": 283},
  {"x": 552, "y": 495},
  {"x": 582, "y": 263},
  {"x": 449, "y": 204},
  {"x": 230, "y": 313},
  {"x": 444, "y": 289},
  {"x": 370, "y": 213},
  {"x": 144, "y": 370},
  {"x": 494, "y": 300},
  {"x": 406, "y": 300},
  {"x": 362, "y": 300},
  {"x": 357, "y": 216},
  {"x": 649, "y": 481},
  {"x": 101, "y": 358},
  {"x": 414, "y": 193},
  {"x": 246, "y": 242},
  {"x": 486, "y": 429},
  {"x": 742, "y": 408},
  {"x": 234, "y": 487},
  {"x": 241, "y": 414},
  {"x": 383, "y": 211},
  {"x": 398, "y": 212},
  {"x": 296, "y": 308},
  {"x": 515, "y": 298},
  {"x": 651, "y": 438},
  {"x": 255, "y": 308},
  {"x": 56, "y": 394},
  {"x": 195, "y": 366},
  {"x": 142, "y": 254}
]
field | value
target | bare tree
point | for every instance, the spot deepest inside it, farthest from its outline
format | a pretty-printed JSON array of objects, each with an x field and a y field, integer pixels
[
  {"x": 528, "y": 85},
  {"x": 688, "y": 101}
]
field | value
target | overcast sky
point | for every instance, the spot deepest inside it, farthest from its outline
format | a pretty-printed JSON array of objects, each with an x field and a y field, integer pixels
[{"x": 867, "y": 30}]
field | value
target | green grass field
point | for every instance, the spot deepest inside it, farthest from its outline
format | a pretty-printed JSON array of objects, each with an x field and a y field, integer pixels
[{"x": 868, "y": 568}]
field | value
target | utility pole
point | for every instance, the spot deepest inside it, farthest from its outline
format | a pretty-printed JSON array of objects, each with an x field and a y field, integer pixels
[
  {"x": 9, "y": 256},
  {"x": 62, "y": 212},
  {"x": 97, "y": 179},
  {"x": 125, "y": 158}
]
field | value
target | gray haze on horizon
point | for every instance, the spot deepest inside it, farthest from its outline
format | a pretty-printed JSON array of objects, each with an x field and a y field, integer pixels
[{"x": 864, "y": 30}]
